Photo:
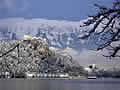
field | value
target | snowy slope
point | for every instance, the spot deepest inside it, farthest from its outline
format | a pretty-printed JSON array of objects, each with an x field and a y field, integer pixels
[{"x": 59, "y": 34}]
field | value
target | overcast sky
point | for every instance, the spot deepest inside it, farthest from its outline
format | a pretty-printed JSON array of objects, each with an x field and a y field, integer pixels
[{"x": 50, "y": 9}]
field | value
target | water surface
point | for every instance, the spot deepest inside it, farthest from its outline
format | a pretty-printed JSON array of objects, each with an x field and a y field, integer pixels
[{"x": 24, "y": 84}]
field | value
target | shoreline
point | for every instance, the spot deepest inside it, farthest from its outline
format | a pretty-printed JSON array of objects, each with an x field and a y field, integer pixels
[{"x": 59, "y": 79}]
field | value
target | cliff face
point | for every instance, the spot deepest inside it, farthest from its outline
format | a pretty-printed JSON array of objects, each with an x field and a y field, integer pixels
[
  {"x": 34, "y": 55},
  {"x": 60, "y": 34}
]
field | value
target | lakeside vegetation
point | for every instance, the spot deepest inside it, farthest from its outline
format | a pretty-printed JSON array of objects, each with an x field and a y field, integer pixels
[
  {"x": 33, "y": 55},
  {"x": 33, "y": 58}
]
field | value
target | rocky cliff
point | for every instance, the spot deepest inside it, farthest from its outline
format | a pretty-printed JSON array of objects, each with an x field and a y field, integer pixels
[{"x": 34, "y": 55}]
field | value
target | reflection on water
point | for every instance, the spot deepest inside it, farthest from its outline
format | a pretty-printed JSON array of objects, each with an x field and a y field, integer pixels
[{"x": 21, "y": 84}]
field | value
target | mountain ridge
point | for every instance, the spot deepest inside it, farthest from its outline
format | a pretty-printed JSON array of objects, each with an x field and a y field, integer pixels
[{"x": 60, "y": 34}]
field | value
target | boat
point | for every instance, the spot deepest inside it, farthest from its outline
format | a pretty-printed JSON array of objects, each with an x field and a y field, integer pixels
[{"x": 91, "y": 77}]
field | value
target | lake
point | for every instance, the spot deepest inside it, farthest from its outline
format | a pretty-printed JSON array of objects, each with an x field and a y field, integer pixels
[{"x": 45, "y": 84}]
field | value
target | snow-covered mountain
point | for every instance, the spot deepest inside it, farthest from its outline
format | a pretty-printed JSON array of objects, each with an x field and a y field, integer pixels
[{"x": 60, "y": 34}]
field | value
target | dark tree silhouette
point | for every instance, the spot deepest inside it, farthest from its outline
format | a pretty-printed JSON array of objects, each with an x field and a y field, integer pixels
[{"x": 109, "y": 20}]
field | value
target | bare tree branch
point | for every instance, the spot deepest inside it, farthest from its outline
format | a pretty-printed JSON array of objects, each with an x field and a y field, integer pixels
[{"x": 110, "y": 27}]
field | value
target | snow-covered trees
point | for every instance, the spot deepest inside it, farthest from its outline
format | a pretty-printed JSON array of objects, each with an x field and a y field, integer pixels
[{"x": 108, "y": 36}]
